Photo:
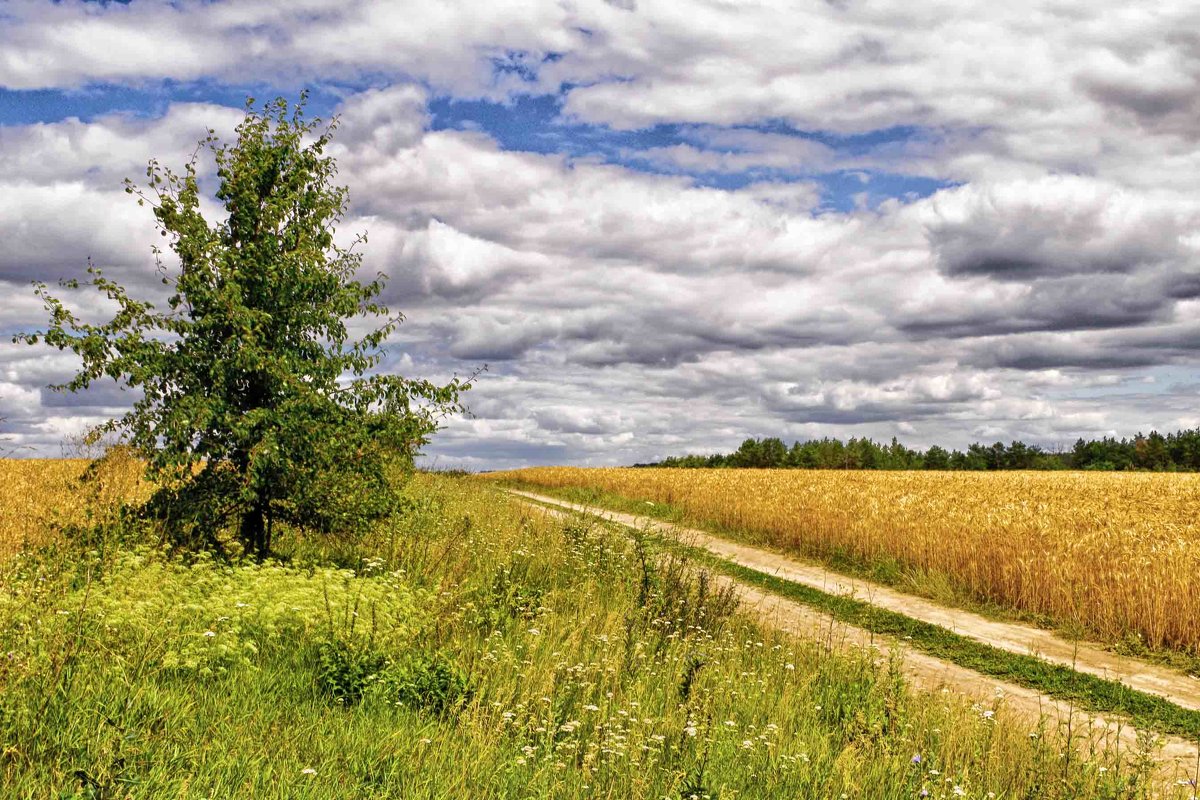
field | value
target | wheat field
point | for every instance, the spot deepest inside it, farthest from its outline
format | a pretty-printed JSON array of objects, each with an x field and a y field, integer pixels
[
  {"x": 38, "y": 496},
  {"x": 1116, "y": 553}
]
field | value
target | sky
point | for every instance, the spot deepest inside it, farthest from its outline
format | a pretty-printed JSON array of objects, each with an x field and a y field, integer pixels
[{"x": 667, "y": 226}]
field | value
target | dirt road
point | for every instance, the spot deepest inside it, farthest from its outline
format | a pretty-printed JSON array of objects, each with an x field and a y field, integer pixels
[{"x": 1177, "y": 755}]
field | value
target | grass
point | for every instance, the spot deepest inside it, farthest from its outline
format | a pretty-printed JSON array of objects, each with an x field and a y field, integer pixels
[{"x": 471, "y": 648}]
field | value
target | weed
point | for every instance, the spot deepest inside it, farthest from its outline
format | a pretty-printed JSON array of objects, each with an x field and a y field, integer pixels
[
  {"x": 429, "y": 682},
  {"x": 345, "y": 671}
]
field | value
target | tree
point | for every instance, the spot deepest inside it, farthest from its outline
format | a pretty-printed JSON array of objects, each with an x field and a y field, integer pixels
[
  {"x": 937, "y": 458},
  {"x": 257, "y": 405},
  {"x": 772, "y": 452}
]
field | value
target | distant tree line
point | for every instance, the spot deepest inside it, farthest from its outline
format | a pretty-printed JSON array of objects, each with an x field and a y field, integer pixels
[{"x": 1178, "y": 452}]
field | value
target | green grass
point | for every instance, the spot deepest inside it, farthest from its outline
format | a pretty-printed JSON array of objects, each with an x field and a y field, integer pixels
[
  {"x": 471, "y": 648},
  {"x": 938, "y": 587}
]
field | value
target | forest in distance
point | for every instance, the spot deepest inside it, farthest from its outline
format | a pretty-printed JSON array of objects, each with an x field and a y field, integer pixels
[{"x": 1173, "y": 452}]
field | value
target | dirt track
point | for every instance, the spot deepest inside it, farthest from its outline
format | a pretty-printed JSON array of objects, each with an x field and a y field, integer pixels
[{"x": 1178, "y": 755}]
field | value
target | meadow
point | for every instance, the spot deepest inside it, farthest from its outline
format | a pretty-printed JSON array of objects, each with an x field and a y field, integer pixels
[
  {"x": 1114, "y": 556},
  {"x": 469, "y": 647}
]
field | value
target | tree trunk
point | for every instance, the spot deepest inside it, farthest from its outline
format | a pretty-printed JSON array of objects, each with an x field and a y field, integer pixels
[{"x": 253, "y": 530}]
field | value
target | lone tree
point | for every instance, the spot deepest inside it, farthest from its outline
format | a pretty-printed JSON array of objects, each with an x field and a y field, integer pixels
[{"x": 257, "y": 405}]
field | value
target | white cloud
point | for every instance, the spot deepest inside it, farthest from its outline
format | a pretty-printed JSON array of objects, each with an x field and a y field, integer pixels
[{"x": 632, "y": 314}]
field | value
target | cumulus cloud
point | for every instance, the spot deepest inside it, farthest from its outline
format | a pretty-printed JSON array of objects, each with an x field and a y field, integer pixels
[
  {"x": 630, "y": 309},
  {"x": 1058, "y": 226},
  {"x": 452, "y": 44}
]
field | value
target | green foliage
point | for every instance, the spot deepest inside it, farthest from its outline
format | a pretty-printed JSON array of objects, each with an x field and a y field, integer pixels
[
  {"x": 678, "y": 601},
  {"x": 513, "y": 595},
  {"x": 256, "y": 403},
  {"x": 345, "y": 670},
  {"x": 429, "y": 682}
]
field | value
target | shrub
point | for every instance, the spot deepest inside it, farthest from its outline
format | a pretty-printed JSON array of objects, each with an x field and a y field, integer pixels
[
  {"x": 346, "y": 670},
  {"x": 430, "y": 682}
]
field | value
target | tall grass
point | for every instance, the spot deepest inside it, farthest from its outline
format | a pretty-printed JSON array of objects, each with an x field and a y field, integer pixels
[
  {"x": 472, "y": 648},
  {"x": 1113, "y": 553}
]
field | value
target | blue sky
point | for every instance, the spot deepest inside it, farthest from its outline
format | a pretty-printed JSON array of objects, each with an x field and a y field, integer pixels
[
  {"x": 532, "y": 123},
  {"x": 669, "y": 226}
]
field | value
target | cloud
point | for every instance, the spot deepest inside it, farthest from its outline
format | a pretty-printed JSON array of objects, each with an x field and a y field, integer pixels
[
  {"x": 609, "y": 300},
  {"x": 103, "y": 152},
  {"x": 451, "y": 45},
  {"x": 1057, "y": 226},
  {"x": 736, "y": 151},
  {"x": 51, "y": 231},
  {"x": 633, "y": 309}
]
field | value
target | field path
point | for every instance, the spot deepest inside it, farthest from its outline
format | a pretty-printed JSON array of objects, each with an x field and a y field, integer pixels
[{"x": 926, "y": 670}]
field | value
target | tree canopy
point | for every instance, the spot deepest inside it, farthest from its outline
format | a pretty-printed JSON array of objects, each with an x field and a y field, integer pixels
[{"x": 257, "y": 402}]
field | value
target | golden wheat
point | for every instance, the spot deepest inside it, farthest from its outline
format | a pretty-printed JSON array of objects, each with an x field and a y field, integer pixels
[
  {"x": 39, "y": 495},
  {"x": 1118, "y": 553}
]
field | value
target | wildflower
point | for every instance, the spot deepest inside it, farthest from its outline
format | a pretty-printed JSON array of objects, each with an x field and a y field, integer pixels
[
  {"x": 308, "y": 771},
  {"x": 209, "y": 634},
  {"x": 916, "y": 759},
  {"x": 959, "y": 791}
]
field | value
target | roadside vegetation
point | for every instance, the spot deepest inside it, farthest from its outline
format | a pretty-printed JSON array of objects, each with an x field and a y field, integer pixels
[{"x": 1107, "y": 556}]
